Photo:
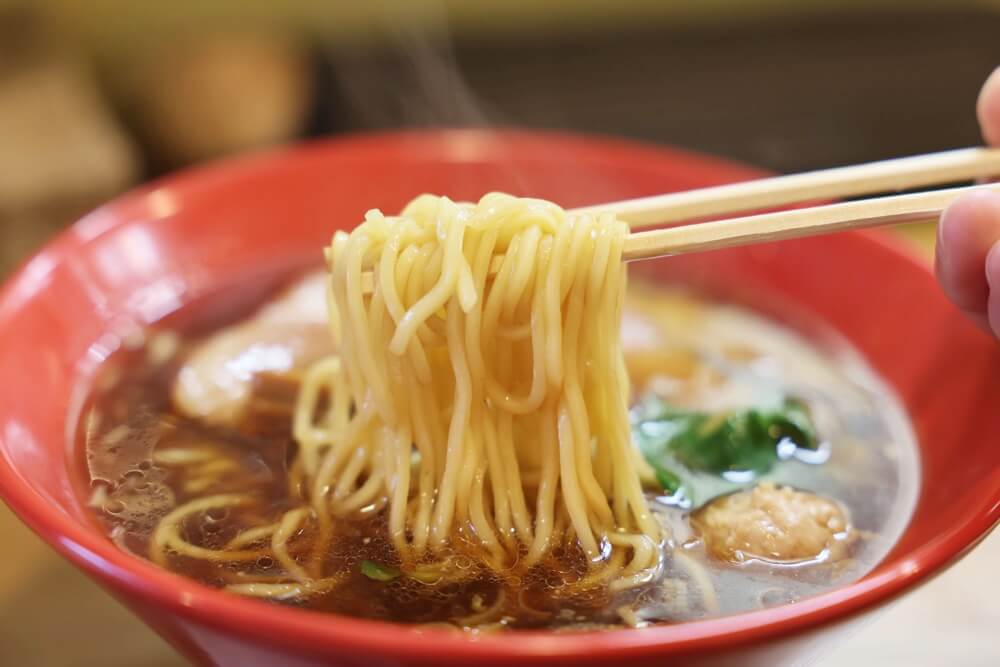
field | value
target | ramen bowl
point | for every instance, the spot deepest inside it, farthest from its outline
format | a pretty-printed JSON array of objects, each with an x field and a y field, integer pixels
[{"x": 151, "y": 252}]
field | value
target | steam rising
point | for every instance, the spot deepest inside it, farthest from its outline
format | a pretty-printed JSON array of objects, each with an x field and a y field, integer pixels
[{"x": 414, "y": 81}]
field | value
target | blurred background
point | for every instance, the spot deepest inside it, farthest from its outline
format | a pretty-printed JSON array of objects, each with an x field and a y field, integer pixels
[{"x": 98, "y": 96}]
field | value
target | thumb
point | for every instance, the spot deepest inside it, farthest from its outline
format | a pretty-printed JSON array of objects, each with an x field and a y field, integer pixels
[{"x": 968, "y": 241}]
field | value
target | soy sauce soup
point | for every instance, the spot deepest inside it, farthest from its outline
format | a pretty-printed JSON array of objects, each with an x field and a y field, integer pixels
[{"x": 782, "y": 468}]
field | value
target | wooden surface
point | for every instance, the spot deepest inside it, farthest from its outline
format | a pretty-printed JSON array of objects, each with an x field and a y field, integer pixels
[{"x": 51, "y": 616}]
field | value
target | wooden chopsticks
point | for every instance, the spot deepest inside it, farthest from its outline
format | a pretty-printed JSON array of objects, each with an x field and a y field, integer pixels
[
  {"x": 812, "y": 221},
  {"x": 886, "y": 176},
  {"x": 964, "y": 164}
]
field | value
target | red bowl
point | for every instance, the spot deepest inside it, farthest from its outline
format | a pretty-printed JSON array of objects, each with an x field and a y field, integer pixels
[{"x": 156, "y": 249}]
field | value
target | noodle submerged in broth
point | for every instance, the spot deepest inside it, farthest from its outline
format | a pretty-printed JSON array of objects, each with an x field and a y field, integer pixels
[{"x": 462, "y": 451}]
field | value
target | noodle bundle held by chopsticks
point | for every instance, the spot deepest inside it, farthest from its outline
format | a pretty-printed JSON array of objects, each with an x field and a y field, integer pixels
[{"x": 487, "y": 410}]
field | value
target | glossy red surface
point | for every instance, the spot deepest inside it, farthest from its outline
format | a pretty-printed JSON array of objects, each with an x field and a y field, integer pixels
[{"x": 153, "y": 250}]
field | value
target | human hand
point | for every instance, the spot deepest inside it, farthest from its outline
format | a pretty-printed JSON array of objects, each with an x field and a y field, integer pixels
[{"x": 967, "y": 258}]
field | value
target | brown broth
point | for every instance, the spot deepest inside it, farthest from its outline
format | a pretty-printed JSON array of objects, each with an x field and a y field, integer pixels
[{"x": 700, "y": 354}]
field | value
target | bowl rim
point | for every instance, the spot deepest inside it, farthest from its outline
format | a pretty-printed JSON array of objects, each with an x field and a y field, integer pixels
[{"x": 259, "y": 621}]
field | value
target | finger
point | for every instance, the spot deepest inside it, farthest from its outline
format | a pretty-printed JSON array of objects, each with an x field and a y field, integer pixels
[
  {"x": 969, "y": 229},
  {"x": 993, "y": 281},
  {"x": 988, "y": 109}
]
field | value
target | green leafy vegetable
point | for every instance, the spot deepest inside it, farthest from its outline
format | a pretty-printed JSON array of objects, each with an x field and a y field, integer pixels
[
  {"x": 377, "y": 571},
  {"x": 745, "y": 442},
  {"x": 669, "y": 480},
  {"x": 739, "y": 441}
]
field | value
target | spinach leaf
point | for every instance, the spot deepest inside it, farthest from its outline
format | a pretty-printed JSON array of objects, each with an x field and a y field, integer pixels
[
  {"x": 745, "y": 440},
  {"x": 377, "y": 571},
  {"x": 679, "y": 443}
]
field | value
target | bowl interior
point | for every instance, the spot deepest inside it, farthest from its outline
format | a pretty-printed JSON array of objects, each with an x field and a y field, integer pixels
[{"x": 152, "y": 251}]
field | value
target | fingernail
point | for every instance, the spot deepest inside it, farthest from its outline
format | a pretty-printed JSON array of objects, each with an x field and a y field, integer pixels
[{"x": 993, "y": 267}]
